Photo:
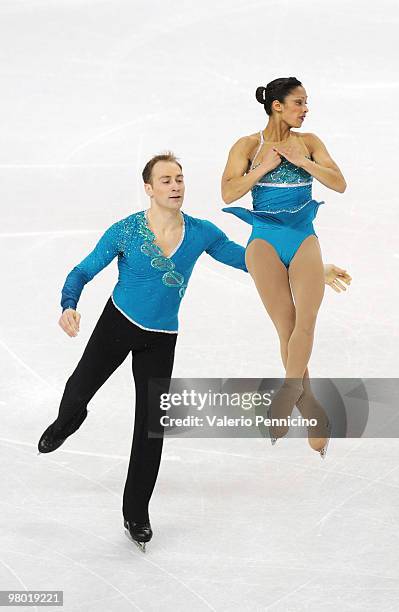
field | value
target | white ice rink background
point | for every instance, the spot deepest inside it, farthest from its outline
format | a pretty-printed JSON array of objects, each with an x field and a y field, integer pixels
[{"x": 90, "y": 91}]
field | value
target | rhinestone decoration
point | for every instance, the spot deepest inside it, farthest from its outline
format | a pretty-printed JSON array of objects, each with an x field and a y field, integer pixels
[
  {"x": 286, "y": 172},
  {"x": 268, "y": 208},
  {"x": 170, "y": 278}
]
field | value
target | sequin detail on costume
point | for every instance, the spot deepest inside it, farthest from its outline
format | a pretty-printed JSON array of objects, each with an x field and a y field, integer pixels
[
  {"x": 268, "y": 193},
  {"x": 170, "y": 278},
  {"x": 287, "y": 172}
]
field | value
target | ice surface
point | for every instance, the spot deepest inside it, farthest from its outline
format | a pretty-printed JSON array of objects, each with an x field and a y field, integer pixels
[{"x": 90, "y": 90}]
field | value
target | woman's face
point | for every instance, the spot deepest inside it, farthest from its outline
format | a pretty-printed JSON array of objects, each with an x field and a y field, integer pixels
[{"x": 294, "y": 109}]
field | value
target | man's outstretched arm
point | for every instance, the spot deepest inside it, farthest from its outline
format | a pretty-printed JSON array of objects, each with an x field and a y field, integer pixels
[{"x": 218, "y": 246}]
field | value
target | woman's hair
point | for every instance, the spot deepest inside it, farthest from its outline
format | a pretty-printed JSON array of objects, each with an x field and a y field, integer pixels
[
  {"x": 275, "y": 90},
  {"x": 167, "y": 156}
]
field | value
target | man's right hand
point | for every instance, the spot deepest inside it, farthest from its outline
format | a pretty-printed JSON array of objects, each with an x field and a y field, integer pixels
[{"x": 69, "y": 321}]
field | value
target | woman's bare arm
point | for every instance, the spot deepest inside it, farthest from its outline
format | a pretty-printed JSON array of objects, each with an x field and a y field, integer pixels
[
  {"x": 323, "y": 167},
  {"x": 235, "y": 183}
]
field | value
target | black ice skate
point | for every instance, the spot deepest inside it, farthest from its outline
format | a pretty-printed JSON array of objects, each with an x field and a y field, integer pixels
[
  {"x": 139, "y": 533},
  {"x": 52, "y": 438}
]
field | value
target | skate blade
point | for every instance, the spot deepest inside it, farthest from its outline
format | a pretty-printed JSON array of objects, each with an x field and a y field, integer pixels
[
  {"x": 323, "y": 451},
  {"x": 140, "y": 545}
]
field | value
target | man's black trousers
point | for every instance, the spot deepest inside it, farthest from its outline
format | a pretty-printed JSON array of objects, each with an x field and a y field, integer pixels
[{"x": 112, "y": 339}]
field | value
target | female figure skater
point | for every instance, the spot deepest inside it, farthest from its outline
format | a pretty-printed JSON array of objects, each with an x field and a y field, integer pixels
[{"x": 283, "y": 254}]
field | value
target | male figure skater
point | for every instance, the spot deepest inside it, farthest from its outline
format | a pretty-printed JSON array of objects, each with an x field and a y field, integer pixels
[{"x": 157, "y": 250}]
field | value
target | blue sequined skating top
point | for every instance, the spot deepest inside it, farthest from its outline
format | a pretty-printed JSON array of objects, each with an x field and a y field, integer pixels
[{"x": 150, "y": 286}]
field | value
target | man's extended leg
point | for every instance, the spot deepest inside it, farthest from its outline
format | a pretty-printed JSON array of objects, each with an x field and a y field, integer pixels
[{"x": 106, "y": 349}]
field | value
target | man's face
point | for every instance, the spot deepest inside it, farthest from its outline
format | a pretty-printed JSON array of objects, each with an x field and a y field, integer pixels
[{"x": 167, "y": 189}]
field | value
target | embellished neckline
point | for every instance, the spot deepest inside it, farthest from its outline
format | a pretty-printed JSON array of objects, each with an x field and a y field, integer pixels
[
  {"x": 170, "y": 276},
  {"x": 286, "y": 174},
  {"x": 145, "y": 218}
]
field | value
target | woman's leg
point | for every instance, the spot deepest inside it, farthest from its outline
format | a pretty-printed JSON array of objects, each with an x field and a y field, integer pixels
[
  {"x": 306, "y": 277},
  {"x": 271, "y": 279},
  {"x": 272, "y": 283},
  {"x": 310, "y": 408}
]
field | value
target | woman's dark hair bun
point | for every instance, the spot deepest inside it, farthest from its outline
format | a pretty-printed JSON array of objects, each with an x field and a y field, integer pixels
[{"x": 260, "y": 94}]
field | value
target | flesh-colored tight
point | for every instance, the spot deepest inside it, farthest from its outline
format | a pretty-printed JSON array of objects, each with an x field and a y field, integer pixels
[{"x": 292, "y": 299}]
